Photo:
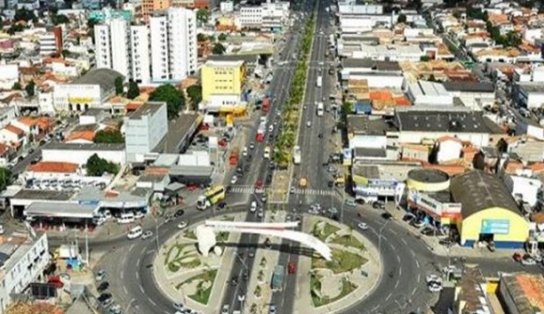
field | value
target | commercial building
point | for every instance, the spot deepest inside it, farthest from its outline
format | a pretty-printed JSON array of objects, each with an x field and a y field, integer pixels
[
  {"x": 268, "y": 16},
  {"x": 426, "y": 93},
  {"x": 112, "y": 46},
  {"x": 222, "y": 84},
  {"x": 378, "y": 74},
  {"x": 144, "y": 130},
  {"x": 528, "y": 94},
  {"x": 474, "y": 95},
  {"x": 391, "y": 52},
  {"x": 80, "y": 153},
  {"x": 88, "y": 91},
  {"x": 23, "y": 260},
  {"x": 173, "y": 44},
  {"x": 150, "y": 6},
  {"x": 489, "y": 212}
]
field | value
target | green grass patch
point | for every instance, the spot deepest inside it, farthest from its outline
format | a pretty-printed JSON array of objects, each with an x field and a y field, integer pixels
[
  {"x": 347, "y": 288},
  {"x": 202, "y": 295},
  {"x": 189, "y": 234},
  {"x": 222, "y": 236},
  {"x": 341, "y": 262},
  {"x": 324, "y": 232},
  {"x": 348, "y": 240},
  {"x": 315, "y": 288},
  {"x": 173, "y": 263}
]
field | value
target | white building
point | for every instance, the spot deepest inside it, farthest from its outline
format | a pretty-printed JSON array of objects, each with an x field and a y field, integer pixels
[
  {"x": 267, "y": 16},
  {"x": 475, "y": 95},
  {"x": 226, "y": 6},
  {"x": 9, "y": 75},
  {"x": 139, "y": 51},
  {"x": 112, "y": 45},
  {"x": 24, "y": 260},
  {"x": 449, "y": 148},
  {"x": 48, "y": 44},
  {"x": 523, "y": 188},
  {"x": 425, "y": 93},
  {"x": 173, "y": 44},
  {"x": 144, "y": 130},
  {"x": 80, "y": 153},
  {"x": 529, "y": 94},
  {"x": 390, "y": 52}
]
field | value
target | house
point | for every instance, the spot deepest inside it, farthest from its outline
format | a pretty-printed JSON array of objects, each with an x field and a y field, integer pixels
[
  {"x": 475, "y": 95},
  {"x": 12, "y": 135},
  {"x": 448, "y": 148}
]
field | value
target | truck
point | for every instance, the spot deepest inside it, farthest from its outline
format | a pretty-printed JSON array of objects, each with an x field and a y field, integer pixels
[
  {"x": 277, "y": 278},
  {"x": 319, "y": 81},
  {"x": 296, "y": 155},
  {"x": 234, "y": 156},
  {"x": 211, "y": 196},
  {"x": 266, "y": 104},
  {"x": 261, "y": 131}
]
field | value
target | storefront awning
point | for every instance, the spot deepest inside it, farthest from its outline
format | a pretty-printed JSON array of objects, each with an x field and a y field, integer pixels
[{"x": 61, "y": 210}]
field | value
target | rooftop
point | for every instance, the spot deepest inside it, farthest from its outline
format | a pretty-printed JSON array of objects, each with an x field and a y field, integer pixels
[
  {"x": 451, "y": 121},
  {"x": 224, "y": 63},
  {"x": 91, "y": 147},
  {"x": 360, "y": 124},
  {"x": 178, "y": 131},
  {"x": 61, "y": 209},
  {"x": 464, "y": 86},
  {"x": 526, "y": 291},
  {"x": 428, "y": 175},
  {"x": 52, "y": 166},
  {"x": 428, "y": 88},
  {"x": 373, "y": 64},
  {"x": 478, "y": 191},
  {"x": 105, "y": 78},
  {"x": 471, "y": 296},
  {"x": 531, "y": 87},
  {"x": 148, "y": 108},
  {"x": 43, "y": 195}
]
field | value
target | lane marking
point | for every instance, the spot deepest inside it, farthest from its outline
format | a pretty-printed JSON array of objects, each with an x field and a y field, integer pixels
[
  {"x": 417, "y": 263},
  {"x": 138, "y": 276},
  {"x": 418, "y": 278},
  {"x": 393, "y": 232},
  {"x": 152, "y": 302},
  {"x": 138, "y": 263},
  {"x": 396, "y": 284},
  {"x": 398, "y": 258},
  {"x": 122, "y": 274},
  {"x": 403, "y": 241},
  {"x": 400, "y": 271},
  {"x": 414, "y": 291},
  {"x": 413, "y": 254},
  {"x": 142, "y": 289},
  {"x": 388, "y": 297},
  {"x": 125, "y": 290}
]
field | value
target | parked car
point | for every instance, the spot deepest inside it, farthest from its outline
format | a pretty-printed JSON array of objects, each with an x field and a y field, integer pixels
[
  {"x": 528, "y": 260},
  {"x": 135, "y": 233},
  {"x": 434, "y": 286},
  {"x": 408, "y": 217},
  {"x": 387, "y": 216},
  {"x": 378, "y": 205},
  {"x": 178, "y": 307},
  {"x": 350, "y": 203},
  {"x": 179, "y": 213},
  {"x": 491, "y": 246},
  {"x": 253, "y": 207},
  {"x": 100, "y": 275},
  {"x": 517, "y": 257},
  {"x": 182, "y": 225},
  {"x": 103, "y": 286},
  {"x": 147, "y": 234}
]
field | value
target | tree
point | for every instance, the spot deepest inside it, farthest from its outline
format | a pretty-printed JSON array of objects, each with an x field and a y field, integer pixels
[
  {"x": 222, "y": 37},
  {"x": 133, "y": 89},
  {"x": 30, "y": 88},
  {"x": 24, "y": 15},
  {"x": 218, "y": 49},
  {"x": 502, "y": 146},
  {"x": 60, "y": 19},
  {"x": 97, "y": 166},
  {"x": 65, "y": 53},
  {"x": 174, "y": 99},
  {"x": 424, "y": 58},
  {"x": 17, "y": 86},
  {"x": 15, "y": 28},
  {"x": 5, "y": 176},
  {"x": 111, "y": 137},
  {"x": 456, "y": 14},
  {"x": 201, "y": 37},
  {"x": 202, "y": 15},
  {"x": 401, "y": 18},
  {"x": 195, "y": 94},
  {"x": 119, "y": 85}
]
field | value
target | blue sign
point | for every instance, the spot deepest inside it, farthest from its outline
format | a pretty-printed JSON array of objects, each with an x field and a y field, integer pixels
[
  {"x": 89, "y": 202},
  {"x": 495, "y": 226}
]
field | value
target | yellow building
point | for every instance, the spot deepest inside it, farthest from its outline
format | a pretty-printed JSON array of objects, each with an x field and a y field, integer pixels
[
  {"x": 222, "y": 84},
  {"x": 489, "y": 213}
]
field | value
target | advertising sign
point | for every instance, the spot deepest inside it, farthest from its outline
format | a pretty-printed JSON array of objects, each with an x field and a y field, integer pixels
[{"x": 495, "y": 226}]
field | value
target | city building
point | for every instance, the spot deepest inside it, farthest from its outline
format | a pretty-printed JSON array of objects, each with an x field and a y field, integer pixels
[
  {"x": 379, "y": 74},
  {"x": 140, "y": 54},
  {"x": 80, "y": 153},
  {"x": 51, "y": 42},
  {"x": 144, "y": 130},
  {"x": 268, "y": 16},
  {"x": 474, "y": 95},
  {"x": 23, "y": 259},
  {"x": 150, "y": 6},
  {"x": 88, "y": 91},
  {"x": 108, "y": 13},
  {"x": 528, "y": 94},
  {"x": 489, "y": 212},
  {"x": 425, "y": 93},
  {"x": 173, "y": 44},
  {"x": 112, "y": 43},
  {"x": 9, "y": 75},
  {"x": 222, "y": 85}
]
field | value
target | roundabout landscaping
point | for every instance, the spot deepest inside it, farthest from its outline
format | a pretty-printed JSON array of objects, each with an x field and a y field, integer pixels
[{"x": 185, "y": 276}]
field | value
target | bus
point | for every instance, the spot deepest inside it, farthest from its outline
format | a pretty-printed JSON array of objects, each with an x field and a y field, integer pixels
[
  {"x": 212, "y": 196},
  {"x": 319, "y": 109},
  {"x": 297, "y": 155}
]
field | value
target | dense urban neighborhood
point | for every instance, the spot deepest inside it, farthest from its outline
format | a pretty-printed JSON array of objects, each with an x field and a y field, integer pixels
[{"x": 266, "y": 156}]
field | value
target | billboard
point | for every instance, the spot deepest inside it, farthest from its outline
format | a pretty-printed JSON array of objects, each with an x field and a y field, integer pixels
[{"x": 495, "y": 226}]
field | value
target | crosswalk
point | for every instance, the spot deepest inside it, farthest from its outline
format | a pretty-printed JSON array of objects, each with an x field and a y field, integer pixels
[{"x": 251, "y": 190}]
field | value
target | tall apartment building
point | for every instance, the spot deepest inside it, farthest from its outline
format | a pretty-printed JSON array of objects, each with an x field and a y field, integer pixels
[
  {"x": 173, "y": 44},
  {"x": 112, "y": 48},
  {"x": 139, "y": 51},
  {"x": 51, "y": 42}
]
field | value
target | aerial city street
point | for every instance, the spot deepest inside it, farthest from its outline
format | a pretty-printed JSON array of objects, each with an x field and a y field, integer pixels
[{"x": 277, "y": 157}]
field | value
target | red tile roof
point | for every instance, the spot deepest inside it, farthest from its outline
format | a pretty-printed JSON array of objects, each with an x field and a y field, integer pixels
[
  {"x": 53, "y": 166},
  {"x": 15, "y": 130}
]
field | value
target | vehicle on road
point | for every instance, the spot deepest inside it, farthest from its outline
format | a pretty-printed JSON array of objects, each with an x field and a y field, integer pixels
[
  {"x": 178, "y": 307},
  {"x": 244, "y": 152},
  {"x": 100, "y": 275},
  {"x": 182, "y": 225},
  {"x": 212, "y": 196},
  {"x": 225, "y": 309},
  {"x": 292, "y": 268},
  {"x": 135, "y": 233},
  {"x": 277, "y": 278},
  {"x": 234, "y": 281},
  {"x": 272, "y": 309},
  {"x": 309, "y": 124},
  {"x": 303, "y": 183},
  {"x": 267, "y": 151},
  {"x": 297, "y": 155},
  {"x": 103, "y": 286},
  {"x": 234, "y": 179},
  {"x": 116, "y": 309},
  {"x": 319, "y": 109},
  {"x": 432, "y": 277},
  {"x": 362, "y": 226},
  {"x": 259, "y": 186},
  {"x": 147, "y": 234},
  {"x": 253, "y": 207},
  {"x": 179, "y": 213},
  {"x": 434, "y": 286},
  {"x": 527, "y": 260}
]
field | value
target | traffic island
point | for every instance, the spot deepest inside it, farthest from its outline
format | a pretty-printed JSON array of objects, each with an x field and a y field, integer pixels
[{"x": 351, "y": 275}]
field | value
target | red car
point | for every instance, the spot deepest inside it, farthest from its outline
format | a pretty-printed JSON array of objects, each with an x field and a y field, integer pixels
[
  {"x": 517, "y": 257},
  {"x": 292, "y": 267},
  {"x": 259, "y": 186}
]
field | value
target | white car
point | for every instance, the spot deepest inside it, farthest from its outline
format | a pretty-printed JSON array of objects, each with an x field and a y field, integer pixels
[
  {"x": 432, "y": 278},
  {"x": 362, "y": 226},
  {"x": 244, "y": 152},
  {"x": 434, "y": 286},
  {"x": 253, "y": 207},
  {"x": 309, "y": 124},
  {"x": 271, "y": 128},
  {"x": 225, "y": 309},
  {"x": 135, "y": 233},
  {"x": 234, "y": 180},
  {"x": 182, "y": 225},
  {"x": 147, "y": 234}
]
